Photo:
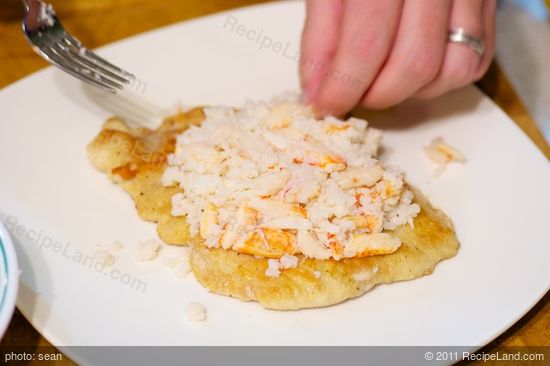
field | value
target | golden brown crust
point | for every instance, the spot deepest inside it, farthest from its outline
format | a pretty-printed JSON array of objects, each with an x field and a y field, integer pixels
[
  {"x": 136, "y": 159},
  {"x": 243, "y": 276}
]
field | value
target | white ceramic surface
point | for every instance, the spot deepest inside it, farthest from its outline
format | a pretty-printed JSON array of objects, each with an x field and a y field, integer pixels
[
  {"x": 498, "y": 200},
  {"x": 9, "y": 279}
]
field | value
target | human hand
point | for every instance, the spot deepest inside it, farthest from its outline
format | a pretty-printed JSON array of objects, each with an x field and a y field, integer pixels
[{"x": 378, "y": 53}]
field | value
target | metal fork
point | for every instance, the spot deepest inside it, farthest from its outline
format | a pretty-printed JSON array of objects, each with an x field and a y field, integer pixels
[{"x": 49, "y": 39}]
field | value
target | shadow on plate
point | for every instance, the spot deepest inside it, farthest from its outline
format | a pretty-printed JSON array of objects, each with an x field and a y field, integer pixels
[
  {"x": 129, "y": 105},
  {"x": 412, "y": 113}
]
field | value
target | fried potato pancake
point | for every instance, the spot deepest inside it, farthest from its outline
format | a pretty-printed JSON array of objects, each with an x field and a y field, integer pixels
[{"x": 136, "y": 160}]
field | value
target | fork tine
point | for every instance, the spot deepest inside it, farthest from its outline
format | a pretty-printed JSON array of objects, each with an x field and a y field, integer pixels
[
  {"x": 76, "y": 71},
  {"x": 86, "y": 71},
  {"x": 50, "y": 40},
  {"x": 94, "y": 57},
  {"x": 102, "y": 61},
  {"x": 70, "y": 52}
]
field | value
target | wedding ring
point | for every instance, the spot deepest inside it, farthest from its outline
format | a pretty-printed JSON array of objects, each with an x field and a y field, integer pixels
[{"x": 459, "y": 35}]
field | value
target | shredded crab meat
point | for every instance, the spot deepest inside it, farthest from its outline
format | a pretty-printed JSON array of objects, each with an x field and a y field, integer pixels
[
  {"x": 442, "y": 153},
  {"x": 274, "y": 266},
  {"x": 272, "y": 180},
  {"x": 148, "y": 250},
  {"x": 195, "y": 312}
]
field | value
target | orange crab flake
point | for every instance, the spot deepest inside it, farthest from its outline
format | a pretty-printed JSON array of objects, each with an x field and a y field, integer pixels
[
  {"x": 332, "y": 160},
  {"x": 364, "y": 222},
  {"x": 126, "y": 172},
  {"x": 373, "y": 196},
  {"x": 372, "y": 221},
  {"x": 336, "y": 128},
  {"x": 389, "y": 190},
  {"x": 336, "y": 248},
  {"x": 269, "y": 243},
  {"x": 358, "y": 197}
]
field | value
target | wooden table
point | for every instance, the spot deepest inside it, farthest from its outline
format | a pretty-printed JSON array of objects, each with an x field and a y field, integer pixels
[{"x": 102, "y": 21}]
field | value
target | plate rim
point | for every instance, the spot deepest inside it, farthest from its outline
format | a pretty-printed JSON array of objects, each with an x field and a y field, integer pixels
[{"x": 10, "y": 279}]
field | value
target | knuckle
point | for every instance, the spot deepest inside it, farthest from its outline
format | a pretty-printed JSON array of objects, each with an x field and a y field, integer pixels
[
  {"x": 364, "y": 45},
  {"x": 462, "y": 71},
  {"x": 422, "y": 66}
]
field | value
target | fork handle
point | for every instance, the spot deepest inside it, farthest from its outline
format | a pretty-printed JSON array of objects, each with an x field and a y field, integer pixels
[{"x": 29, "y": 3}]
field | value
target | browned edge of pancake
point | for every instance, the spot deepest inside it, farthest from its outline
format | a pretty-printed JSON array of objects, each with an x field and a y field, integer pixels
[{"x": 136, "y": 159}]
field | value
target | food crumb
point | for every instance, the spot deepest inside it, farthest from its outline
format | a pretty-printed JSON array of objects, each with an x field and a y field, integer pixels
[
  {"x": 46, "y": 14},
  {"x": 443, "y": 154},
  {"x": 148, "y": 250},
  {"x": 115, "y": 247},
  {"x": 288, "y": 261},
  {"x": 105, "y": 257},
  {"x": 195, "y": 312},
  {"x": 273, "y": 268}
]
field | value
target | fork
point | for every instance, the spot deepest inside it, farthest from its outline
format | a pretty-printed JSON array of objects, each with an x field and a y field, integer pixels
[{"x": 49, "y": 39}]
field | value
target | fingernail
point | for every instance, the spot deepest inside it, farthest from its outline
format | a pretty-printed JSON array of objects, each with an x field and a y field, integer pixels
[{"x": 319, "y": 113}]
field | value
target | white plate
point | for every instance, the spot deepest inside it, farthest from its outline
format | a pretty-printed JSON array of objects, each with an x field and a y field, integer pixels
[
  {"x": 9, "y": 279},
  {"x": 498, "y": 200}
]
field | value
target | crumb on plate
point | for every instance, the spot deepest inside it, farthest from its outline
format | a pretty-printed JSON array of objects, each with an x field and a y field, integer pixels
[
  {"x": 105, "y": 257},
  {"x": 442, "y": 153},
  {"x": 148, "y": 250},
  {"x": 195, "y": 312},
  {"x": 115, "y": 247}
]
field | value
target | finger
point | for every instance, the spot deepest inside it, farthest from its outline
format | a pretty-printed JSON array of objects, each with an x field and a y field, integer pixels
[
  {"x": 319, "y": 40},
  {"x": 489, "y": 13},
  {"x": 368, "y": 32},
  {"x": 417, "y": 55},
  {"x": 461, "y": 62}
]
